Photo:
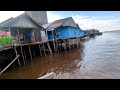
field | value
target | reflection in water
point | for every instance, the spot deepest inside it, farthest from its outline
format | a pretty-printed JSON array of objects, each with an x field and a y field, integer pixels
[{"x": 98, "y": 57}]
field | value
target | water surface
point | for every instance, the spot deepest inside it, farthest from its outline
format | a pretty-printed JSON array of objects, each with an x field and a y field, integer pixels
[{"x": 97, "y": 58}]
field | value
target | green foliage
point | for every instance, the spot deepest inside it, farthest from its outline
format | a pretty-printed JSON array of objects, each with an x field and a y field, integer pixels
[{"x": 5, "y": 40}]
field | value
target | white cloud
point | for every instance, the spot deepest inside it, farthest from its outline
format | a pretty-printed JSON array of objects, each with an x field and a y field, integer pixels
[
  {"x": 4, "y": 15},
  {"x": 52, "y": 17},
  {"x": 86, "y": 22},
  {"x": 100, "y": 23}
]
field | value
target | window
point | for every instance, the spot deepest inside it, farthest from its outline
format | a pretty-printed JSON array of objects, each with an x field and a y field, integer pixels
[{"x": 43, "y": 33}]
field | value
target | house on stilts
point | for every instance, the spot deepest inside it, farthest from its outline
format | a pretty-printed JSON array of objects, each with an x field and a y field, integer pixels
[
  {"x": 29, "y": 37},
  {"x": 64, "y": 29}
]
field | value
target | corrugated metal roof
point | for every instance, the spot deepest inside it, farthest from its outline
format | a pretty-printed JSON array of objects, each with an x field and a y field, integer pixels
[
  {"x": 46, "y": 25},
  {"x": 59, "y": 22},
  {"x": 6, "y": 21},
  {"x": 50, "y": 29},
  {"x": 10, "y": 21}
]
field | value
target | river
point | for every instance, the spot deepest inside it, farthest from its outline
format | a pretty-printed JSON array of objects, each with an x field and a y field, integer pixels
[{"x": 96, "y": 58}]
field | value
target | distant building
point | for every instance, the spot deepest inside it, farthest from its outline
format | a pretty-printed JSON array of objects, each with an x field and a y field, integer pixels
[{"x": 91, "y": 32}]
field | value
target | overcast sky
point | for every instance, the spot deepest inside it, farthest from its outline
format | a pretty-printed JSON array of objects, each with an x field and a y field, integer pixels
[{"x": 101, "y": 20}]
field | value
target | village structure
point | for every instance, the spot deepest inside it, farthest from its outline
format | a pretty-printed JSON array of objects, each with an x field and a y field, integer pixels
[{"x": 33, "y": 36}]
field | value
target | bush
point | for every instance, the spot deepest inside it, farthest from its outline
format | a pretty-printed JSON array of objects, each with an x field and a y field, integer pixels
[{"x": 5, "y": 40}]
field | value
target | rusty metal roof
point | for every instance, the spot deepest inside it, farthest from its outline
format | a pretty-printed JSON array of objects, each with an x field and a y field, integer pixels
[{"x": 59, "y": 22}]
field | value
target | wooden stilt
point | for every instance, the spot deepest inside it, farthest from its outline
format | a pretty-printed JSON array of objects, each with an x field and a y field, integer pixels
[
  {"x": 56, "y": 42},
  {"x": 44, "y": 48},
  {"x": 22, "y": 55},
  {"x": 57, "y": 49},
  {"x": 63, "y": 45},
  {"x": 60, "y": 46},
  {"x": 30, "y": 52},
  {"x": 73, "y": 42},
  {"x": 66, "y": 43},
  {"x": 69, "y": 43},
  {"x": 49, "y": 48},
  {"x": 80, "y": 40},
  {"x": 54, "y": 45},
  {"x": 17, "y": 55},
  {"x": 11, "y": 60},
  {"x": 77, "y": 42},
  {"x": 40, "y": 50},
  {"x": 33, "y": 50},
  {"x": 20, "y": 46},
  {"x": 53, "y": 40}
]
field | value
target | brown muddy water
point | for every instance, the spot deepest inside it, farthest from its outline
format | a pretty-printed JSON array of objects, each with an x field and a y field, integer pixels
[{"x": 97, "y": 58}]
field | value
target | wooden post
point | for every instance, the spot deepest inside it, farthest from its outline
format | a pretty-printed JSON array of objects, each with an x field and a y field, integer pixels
[
  {"x": 30, "y": 53},
  {"x": 49, "y": 48},
  {"x": 63, "y": 44},
  {"x": 60, "y": 45},
  {"x": 34, "y": 35},
  {"x": 34, "y": 42},
  {"x": 24, "y": 53},
  {"x": 53, "y": 40},
  {"x": 66, "y": 43},
  {"x": 9, "y": 65},
  {"x": 44, "y": 48},
  {"x": 19, "y": 37},
  {"x": 10, "y": 33},
  {"x": 11, "y": 59},
  {"x": 56, "y": 45},
  {"x": 17, "y": 55},
  {"x": 33, "y": 50},
  {"x": 69, "y": 44},
  {"x": 80, "y": 39},
  {"x": 21, "y": 46},
  {"x": 73, "y": 42},
  {"x": 77, "y": 42},
  {"x": 40, "y": 50}
]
